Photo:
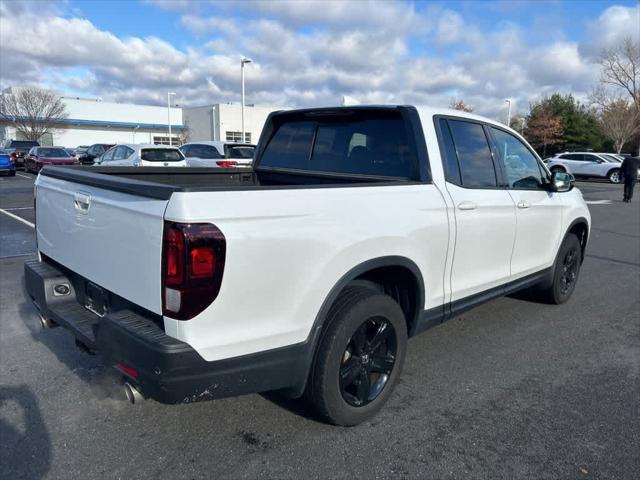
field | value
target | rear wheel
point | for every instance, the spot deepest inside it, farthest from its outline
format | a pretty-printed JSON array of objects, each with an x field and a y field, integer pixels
[
  {"x": 614, "y": 176},
  {"x": 566, "y": 271},
  {"x": 360, "y": 357}
]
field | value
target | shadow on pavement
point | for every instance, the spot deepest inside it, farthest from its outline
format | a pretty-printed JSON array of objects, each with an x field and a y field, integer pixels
[{"x": 25, "y": 452}]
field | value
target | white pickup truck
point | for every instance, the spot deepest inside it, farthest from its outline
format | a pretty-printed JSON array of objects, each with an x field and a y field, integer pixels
[{"x": 356, "y": 228}]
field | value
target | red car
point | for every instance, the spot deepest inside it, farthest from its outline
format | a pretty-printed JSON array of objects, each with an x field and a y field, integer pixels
[{"x": 38, "y": 157}]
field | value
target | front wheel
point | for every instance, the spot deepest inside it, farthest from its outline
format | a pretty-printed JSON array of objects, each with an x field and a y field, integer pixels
[
  {"x": 614, "y": 176},
  {"x": 360, "y": 357},
  {"x": 566, "y": 271}
]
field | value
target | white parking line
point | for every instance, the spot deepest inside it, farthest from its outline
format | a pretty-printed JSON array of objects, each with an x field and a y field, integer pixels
[
  {"x": 24, "y": 176},
  {"x": 598, "y": 202},
  {"x": 15, "y": 217},
  {"x": 18, "y": 208}
]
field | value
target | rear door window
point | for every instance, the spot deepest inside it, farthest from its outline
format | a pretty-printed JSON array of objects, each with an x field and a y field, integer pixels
[
  {"x": 364, "y": 142},
  {"x": 474, "y": 155}
]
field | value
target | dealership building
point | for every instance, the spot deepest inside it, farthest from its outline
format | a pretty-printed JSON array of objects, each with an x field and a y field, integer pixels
[{"x": 92, "y": 120}]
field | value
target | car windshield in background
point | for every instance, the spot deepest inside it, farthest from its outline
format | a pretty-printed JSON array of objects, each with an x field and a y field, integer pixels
[
  {"x": 359, "y": 143},
  {"x": 161, "y": 155},
  {"x": 240, "y": 152},
  {"x": 52, "y": 152},
  {"x": 611, "y": 158}
]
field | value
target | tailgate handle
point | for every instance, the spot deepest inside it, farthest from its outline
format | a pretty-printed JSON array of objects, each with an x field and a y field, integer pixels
[{"x": 82, "y": 201}]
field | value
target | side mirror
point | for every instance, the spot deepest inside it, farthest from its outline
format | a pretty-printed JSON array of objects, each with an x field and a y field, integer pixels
[{"x": 562, "y": 182}]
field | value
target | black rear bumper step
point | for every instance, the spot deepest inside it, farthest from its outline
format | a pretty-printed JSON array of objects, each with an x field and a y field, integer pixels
[{"x": 166, "y": 369}]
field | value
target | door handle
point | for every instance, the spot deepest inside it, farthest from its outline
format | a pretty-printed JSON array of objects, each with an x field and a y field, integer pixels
[
  {"x": 523, "y": 204},
  {"x": 82, "y": 201},
  {"x": 467, "y": 205}
]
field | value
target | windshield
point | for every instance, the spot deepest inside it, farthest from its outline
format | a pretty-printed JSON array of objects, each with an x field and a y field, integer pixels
[
  {"x": 52, "y": 152},
  {"x": 161, "y": 155},
  {"x": 240, "y": 152},
  {"x": 611, "y": 158}
]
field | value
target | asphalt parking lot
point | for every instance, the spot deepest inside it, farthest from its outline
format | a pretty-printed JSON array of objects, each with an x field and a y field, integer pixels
[{"x": 512, "y": 389}]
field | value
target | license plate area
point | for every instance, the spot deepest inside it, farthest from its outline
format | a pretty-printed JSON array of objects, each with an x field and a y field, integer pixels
[{"x": 96, "y": 299}]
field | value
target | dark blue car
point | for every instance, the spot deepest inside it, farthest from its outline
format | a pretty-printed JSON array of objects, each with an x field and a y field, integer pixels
[{"x": 7, "y": 167}]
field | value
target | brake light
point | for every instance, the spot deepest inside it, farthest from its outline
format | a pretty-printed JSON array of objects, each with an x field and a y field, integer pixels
[
  {"x": 226, "y": 163},
  {"x": 193, "y": 256}
]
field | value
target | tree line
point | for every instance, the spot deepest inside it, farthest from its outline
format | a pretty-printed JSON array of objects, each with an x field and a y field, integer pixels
[{"x": 609, "y": 119}]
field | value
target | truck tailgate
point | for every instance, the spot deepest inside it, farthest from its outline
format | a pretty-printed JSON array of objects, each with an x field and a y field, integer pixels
[{"x": 113, "y": 239}]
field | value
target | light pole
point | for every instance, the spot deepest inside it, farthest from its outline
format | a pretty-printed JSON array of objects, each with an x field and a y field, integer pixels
[
  {"x": 243, "y": 61},
  {"x": 169, "y": 113},
  {"x": 508, "y": 100}
]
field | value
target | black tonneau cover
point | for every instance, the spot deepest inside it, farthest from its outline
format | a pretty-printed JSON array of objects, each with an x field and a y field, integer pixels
[{"x": 153, "y": 182}]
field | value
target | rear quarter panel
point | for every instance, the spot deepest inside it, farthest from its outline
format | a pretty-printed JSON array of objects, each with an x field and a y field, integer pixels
[{"x": 287, "y": 248}]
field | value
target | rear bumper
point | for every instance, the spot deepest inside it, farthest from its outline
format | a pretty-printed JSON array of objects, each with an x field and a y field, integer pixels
[
  {"x": 7, "y": 168},
  {"x": 162, "y": 367}
]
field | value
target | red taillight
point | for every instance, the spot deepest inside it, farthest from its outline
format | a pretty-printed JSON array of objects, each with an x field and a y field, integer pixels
[
  {"x": 226, "y": 163},
  {"x": 203, "y": 260},
  {"x": 126, "y": 369},
  {"x": 174, "y": 254},
  {"x": 193, "y": 256}
]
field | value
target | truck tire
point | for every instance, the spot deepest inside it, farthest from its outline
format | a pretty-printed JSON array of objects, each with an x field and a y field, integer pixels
[
  {"x": 359, "y": 357},
  {"x": 566, "y": 271},
  {"x": 614, "y": 176}
]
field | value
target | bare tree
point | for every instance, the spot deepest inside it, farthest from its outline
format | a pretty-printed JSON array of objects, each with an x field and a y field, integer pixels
[
  {"x": 620, "y": 68},
  {"x": 460, "y": 105},
  {"x": 185, "y": 135},
  {"x": 619, "y": 121},
  {"x": 32, "y": 111},
  {"x": 617, "y": 116}
]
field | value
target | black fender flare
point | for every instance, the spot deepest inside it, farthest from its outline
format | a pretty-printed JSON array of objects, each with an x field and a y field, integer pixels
[{"x": 313, "y": 339}]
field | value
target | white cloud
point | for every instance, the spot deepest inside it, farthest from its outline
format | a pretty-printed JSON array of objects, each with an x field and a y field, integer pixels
[{"x": 309, "y": 53}]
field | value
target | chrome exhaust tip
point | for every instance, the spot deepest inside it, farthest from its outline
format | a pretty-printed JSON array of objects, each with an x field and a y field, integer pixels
[
  {"x": 132, "y": 394},
  {"x": 46, "y": 323}
]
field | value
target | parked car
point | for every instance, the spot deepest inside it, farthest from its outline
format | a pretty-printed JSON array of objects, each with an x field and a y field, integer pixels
[
  {"x": 94, "y": 151},
  {"x": 218, "y": 154},
  {"x": 39, "y": 157},
  {"x": 585, "y": 165},
  {"x": 7, "y": 165},
  {"x": 80, "y": 150},
  {"x": 143, "y": 155},
  {"x": 356, "y": 228},
  {"x": 18, "y": 149}
]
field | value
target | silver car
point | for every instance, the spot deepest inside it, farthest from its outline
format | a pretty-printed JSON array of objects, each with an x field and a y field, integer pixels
[
  {"x": 218, "y": 154},
  {"x": 586, "y": 165}
]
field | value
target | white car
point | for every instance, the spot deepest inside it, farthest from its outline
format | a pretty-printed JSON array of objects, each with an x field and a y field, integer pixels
[
  {"x": 142, "y": 155},
  {"x": 356, "y": 229},
  {"x": 585, "y": 165},
  {"x": 218, "y": 154}
]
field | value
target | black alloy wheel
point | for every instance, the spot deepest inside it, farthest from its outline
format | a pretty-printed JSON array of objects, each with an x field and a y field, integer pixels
[
  {"x": 368, "y": 361},
  {"x": 569, "y": 272}
]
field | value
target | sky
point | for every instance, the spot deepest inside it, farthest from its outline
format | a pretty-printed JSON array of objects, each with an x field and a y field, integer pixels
[{"x": 313, "y": 53}]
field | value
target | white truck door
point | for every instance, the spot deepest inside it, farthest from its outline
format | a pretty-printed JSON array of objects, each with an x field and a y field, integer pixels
[
  {"x": 484, "y": 213},
  {"x": 538, "y": 211}
]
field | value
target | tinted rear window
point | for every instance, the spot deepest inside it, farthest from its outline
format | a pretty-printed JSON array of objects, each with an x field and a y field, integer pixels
[
  {"x": 161, "y": 155},
  {"x": 474, "y": 155},
  {"x": 23, "y": 144},
  {"x": 52, "y": 152},
  {"x": 366, "y": 142},
  {"x": 240, "y": 152}
]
